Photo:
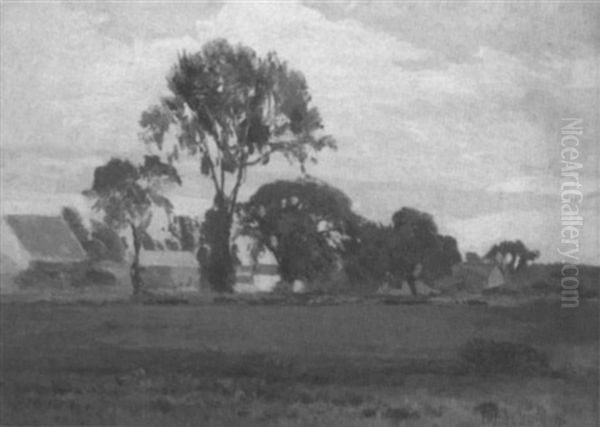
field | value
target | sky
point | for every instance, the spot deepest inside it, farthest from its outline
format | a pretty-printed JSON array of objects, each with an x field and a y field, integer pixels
[{"x": 453, "y": 108}]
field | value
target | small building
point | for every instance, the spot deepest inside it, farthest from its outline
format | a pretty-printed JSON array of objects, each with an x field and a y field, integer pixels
[
  {"x": 37, "y": 241},
  {"x": 170, "y": 271},
  {"x": 476, "y": 276},
  {"x": 256, "y": 278}
]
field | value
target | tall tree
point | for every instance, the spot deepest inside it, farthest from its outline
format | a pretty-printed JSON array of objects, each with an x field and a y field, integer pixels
[
  {"x": 234, "y": 110},
  {"x": 305, "y": 224},
  {"x": 126, "y": 193}
]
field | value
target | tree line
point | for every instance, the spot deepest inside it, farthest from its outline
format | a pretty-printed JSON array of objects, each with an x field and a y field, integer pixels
[{"x": 232, "y": 111}]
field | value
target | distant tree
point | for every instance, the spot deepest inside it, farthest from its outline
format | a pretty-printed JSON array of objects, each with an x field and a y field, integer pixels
[
  {"x": 105, "y": 243},
  {"x": 472, "y": 257},
  {"x": 440, "y": 258},
  {"x": 126, "y": 193},
  {"x": 410, "y": 247},
  {"x": 368, "y": 259},
  {"x": 185, "y": 229},
  {"x": 519, "y": 255},
  {"x": 234, "y": 110},
  {"x": 75, "y": 223},
  {"x": 416, "y": 240},
  {"x": 172, "y": 244},
  {"x": 305, "y": 224}
]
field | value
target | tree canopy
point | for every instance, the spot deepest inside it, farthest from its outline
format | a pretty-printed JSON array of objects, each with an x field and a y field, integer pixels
[
  {"x": 125, "y": 193},
  {"x": 520, "y": 255},
  {"x": 234, "y": 110},
  {"x": 305, "y": 224},
  {"x": 393, "y": 253}
]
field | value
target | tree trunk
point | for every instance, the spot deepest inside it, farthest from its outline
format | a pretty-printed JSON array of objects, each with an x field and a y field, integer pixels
[
  {"x": 134, "y": 272},
  {"x": 219, "y": 267}
]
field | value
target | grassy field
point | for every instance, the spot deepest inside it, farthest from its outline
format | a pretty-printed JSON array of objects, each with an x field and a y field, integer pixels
[{"x": 347, "y": 365}]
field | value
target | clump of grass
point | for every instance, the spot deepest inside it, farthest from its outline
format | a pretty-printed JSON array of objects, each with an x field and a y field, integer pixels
[
  {"x": 400, "y": 414},
  {"x": 489, "y": 411},
  {"x": 484, "y": 356}
]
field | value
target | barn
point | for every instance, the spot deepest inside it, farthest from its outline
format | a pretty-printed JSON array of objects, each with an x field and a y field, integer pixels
[
  {"x": 166, "y": 271},
  {"x": 36, "y": 242}
]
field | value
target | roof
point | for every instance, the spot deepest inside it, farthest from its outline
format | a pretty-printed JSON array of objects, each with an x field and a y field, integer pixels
[
  {"x": 258, "y": 269},
  {"x": 46, "y": 238},
  {"x": 168, "y": 259}
]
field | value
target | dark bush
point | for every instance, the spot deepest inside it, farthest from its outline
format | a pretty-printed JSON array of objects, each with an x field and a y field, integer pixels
[
  {"x": 400, "y": 414},
  {"x": 39, "y": 277},
  {"x": 95, "y": 276},
  {"x": 110, "y": 239},
  {"x": 541, "y": 286},
  {"x": 96, "y": 250},
  {"x": 51, "y": 275},
  {"x": 75, "y": 223},
  {"x": 484, "y": 356}
]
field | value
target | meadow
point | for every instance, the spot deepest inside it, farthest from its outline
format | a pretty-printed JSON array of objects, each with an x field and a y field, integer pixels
[{"x": 121, "y": 363}]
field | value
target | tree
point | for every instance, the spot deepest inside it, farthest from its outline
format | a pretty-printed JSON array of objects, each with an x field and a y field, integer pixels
[
  {"x": 233, "y": 110},
  {"x": 520, "y": 255},
  {"x": 305, "y": 224},
  {"x": 106, "y": 244},
  {"x": 367, "y": 261},
  {"x": 126, "y": 193},
  {"x": 410, "y": 247}
]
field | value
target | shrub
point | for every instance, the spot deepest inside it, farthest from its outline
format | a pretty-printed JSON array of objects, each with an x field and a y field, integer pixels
[
  {"x": 110, "y": 239},
  {"x": 490, "y": 357},
  {"x": 75, "y": 223},
  {"x": 95, "y": 276},
  {"x": 96, "y": 250},
  {"x": 543, "y": 287}
]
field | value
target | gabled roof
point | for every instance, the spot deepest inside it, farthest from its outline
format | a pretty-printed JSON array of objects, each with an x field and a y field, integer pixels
[{"x": 46, "y": 238}]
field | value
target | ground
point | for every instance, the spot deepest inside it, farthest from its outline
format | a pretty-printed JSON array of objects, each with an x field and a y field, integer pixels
[{"x": 122, "y": 363}]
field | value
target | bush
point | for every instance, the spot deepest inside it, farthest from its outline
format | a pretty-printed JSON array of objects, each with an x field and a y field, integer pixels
[
  {"x": 490, "y": 357},
  {"x": 543, "y": 287},
  {"x": 95, "y": 276},
  {"x": 96, "y": 250},
  {"x": 110, "y": 239},
  {"x": 39, "y": 277},
  {"x": 75, "y": 223}
]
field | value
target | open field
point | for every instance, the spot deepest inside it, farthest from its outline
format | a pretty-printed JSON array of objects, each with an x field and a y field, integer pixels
[{"x": 373, "y": 365}]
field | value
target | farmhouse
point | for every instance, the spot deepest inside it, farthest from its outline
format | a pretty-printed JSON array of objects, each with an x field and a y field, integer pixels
[
  {"x": 170, "y": 271},
  {"x": 476, "y": 276},
  {"x": 36, "y": 241},
  {"x": 256, "y": 278}
]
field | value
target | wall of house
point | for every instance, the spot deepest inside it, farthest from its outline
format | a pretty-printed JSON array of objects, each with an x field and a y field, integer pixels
[
  {"x": 265, "y": 282},
  {"x": 171, "y": 279}
]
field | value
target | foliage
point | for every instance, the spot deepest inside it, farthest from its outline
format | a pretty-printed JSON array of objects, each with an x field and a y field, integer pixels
[
  {"x": 185, "y": 230},
  {"x": 233, "y": 110},
  {"x": 520, "y": 255},
  {"x": 394, "y": 252},
  {"x": 106, "y": 243},
  {"x": 304, "y": 224},
  {"x": 367, "y": 261},
  {"x": 75, "y": 223},
  {"x": 100, "y": 277},
  {"x": 490, "y": 357},
  {"x": 126, "y": 193}
]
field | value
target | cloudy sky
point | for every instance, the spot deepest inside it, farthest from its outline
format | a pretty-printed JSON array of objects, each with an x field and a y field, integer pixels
[{"x": 452, "y": 108}]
